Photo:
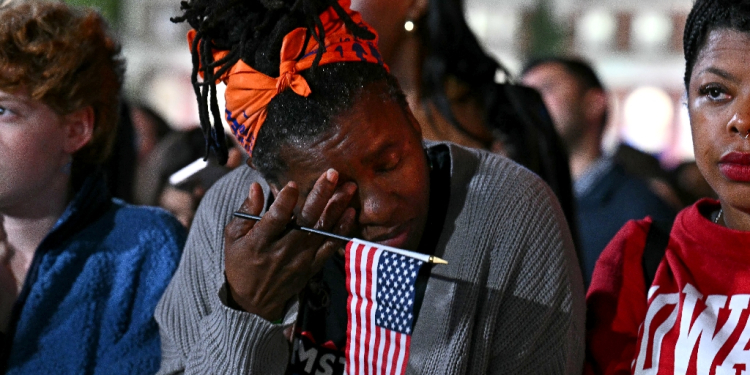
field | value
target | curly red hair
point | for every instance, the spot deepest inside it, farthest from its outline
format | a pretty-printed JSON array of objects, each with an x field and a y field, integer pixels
[{"x": 65, "y": 58}]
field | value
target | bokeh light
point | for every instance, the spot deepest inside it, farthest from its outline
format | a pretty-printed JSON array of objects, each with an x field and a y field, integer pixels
[{"x": 648, "y": 114}]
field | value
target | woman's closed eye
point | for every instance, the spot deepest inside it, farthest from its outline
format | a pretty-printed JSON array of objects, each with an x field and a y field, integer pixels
[{"x": 388, "y": 164}]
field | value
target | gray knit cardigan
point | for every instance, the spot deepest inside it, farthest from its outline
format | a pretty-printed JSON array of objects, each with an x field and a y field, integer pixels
[{"x": 510, "y": 301}]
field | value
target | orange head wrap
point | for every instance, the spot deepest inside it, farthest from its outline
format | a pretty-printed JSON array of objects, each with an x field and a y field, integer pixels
[{"x": 249, "y": 91}]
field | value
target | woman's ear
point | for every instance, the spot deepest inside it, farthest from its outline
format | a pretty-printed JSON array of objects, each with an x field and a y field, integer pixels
[
  {"x": 79, "y": 129},
  {"x": 413, "y": 121},
  {"x": 596, "y": 103}
]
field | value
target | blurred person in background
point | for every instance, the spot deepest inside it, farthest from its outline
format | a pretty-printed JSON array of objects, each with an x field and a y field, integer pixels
[
  {"x": 675, "y": 300},
  {"x": 180, "y": 177},
  {"x": 119, "y": 166},
  {"x": 150, "y": 128},
  {"x": 449, "y": 82},
  {"x": 80, "y": 272},
  {"x": 606, "y": 196}
]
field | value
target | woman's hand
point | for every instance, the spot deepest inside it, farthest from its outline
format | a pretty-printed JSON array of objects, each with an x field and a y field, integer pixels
[{"x": 266, "y": 264}]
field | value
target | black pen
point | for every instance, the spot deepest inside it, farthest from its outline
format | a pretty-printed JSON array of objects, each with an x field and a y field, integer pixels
[{"x": 295, "y": 226}]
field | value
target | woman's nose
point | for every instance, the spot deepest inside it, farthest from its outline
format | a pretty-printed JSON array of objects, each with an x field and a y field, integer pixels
[
  {"x": 376, "y": 205},
  {"x": 739, "y": 124}
]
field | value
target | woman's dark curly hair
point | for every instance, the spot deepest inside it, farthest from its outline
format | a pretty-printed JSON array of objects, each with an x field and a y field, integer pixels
[
  {"x": 65, "y": 58},
  {"x": 253, "y": 31},
  {"x": 709, "y": 15},
  {"x": 452, "y": 49}
]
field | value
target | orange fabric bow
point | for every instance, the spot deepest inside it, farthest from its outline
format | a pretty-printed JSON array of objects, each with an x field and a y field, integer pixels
[{"x": 249, "y": 91}]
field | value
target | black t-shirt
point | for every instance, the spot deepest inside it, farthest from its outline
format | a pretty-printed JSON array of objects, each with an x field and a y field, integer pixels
[{"x": 320, "y": 334}]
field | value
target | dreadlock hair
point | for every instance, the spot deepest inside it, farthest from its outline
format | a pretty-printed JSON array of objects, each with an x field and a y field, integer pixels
[
  {"x": 709, "y": 15},
  {"x": 253, "y": 31}
]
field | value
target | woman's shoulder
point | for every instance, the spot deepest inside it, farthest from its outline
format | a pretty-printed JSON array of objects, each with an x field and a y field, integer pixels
[
  {"x": 231, "y": 190},
  {"x": 622, "y": 256},
  {"x": 493, "y": 174}
]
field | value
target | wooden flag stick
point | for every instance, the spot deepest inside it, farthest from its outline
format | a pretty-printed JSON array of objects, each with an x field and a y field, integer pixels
[{"x": 431, "y": 259}]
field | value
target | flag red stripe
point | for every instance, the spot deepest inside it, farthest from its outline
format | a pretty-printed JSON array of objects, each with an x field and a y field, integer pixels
[
  {"x": 391, "y": 348},
  {"x": 401, "y": 359},
  {"x": 358, "y": 303},
  {"x": 351, "y": 281},
  {"x": 361, "y": 306},
  {"x": 396, "y": 352},
  {"x": 377, "y": 332}
]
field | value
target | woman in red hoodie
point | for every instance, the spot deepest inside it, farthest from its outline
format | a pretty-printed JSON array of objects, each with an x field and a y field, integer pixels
[{"x": 694, "y": 316}]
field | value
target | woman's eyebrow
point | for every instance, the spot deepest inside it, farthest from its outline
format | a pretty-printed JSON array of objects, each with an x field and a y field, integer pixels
[
  {"x": 719, "y": 72},
  {"x": 374, "y": 153}
]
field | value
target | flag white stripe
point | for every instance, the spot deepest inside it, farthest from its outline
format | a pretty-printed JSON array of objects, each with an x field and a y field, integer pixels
[
  {"x": 352, "y": 307},
  {"x": 382, "y": 332},
  {"x": 372, "y": 329},
  {"x": 362, "y": 287},
  {"x": 401, "y": 354},
  {"x": 390, "y": 352}
]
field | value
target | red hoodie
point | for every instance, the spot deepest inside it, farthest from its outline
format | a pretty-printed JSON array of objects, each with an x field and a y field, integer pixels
[{"x": 693, "y": 318}]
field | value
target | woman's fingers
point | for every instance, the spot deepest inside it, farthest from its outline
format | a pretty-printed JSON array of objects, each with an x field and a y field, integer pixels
[
  {"x": 266, "y": 264},
  {"x": 252, "y": 205},
  {"x": 278, "y": 216},
  {"x": 336, "y": 206},
  {"x": 343, "y": 227},
  {"x": 318, "y": 198}
]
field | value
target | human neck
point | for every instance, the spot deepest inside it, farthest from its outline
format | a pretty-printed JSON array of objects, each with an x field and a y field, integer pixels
[
  {"x": 27, "y": 223},
  {"x": 734, "y": 218},
  {"x": 582, "y": 155},
  {"x": 405, "y": 64}
]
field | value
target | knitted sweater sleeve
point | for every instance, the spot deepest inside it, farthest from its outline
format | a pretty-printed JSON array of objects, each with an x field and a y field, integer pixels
[{"x": 199, "y": 333}]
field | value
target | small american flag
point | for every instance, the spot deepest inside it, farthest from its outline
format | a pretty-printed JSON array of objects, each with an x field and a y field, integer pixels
[{"x": 380, "y": 281}]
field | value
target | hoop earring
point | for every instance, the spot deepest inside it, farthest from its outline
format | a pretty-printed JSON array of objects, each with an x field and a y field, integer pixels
[{"x": 409, "y": 25}]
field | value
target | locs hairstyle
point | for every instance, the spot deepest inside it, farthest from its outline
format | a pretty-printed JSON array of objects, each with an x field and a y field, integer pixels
[
  {"x": 709, "y": 15},
  {"x": 253, "y": 31}
]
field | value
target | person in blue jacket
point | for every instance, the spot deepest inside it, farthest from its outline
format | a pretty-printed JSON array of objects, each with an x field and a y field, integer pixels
[{"x": 80, "y": 272}]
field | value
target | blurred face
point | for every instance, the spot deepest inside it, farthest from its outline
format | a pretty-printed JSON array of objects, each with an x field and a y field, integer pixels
[
  {"x": 180, "y": 203},
  {"x": 377, "y": 145},
  {"x": 146, "y": 136},
  {"x": 388, "y": 18},
  {"x": 719, "y": 107},
  {"x": 32, "y": 149},
  {"x": 562, "y": 96}
]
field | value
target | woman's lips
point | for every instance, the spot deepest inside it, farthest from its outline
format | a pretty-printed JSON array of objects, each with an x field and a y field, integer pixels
[
  {"x": 395, "y": 238},
  {"x": 397, "y": 241},
  {"x": 736, "y": 166}
]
